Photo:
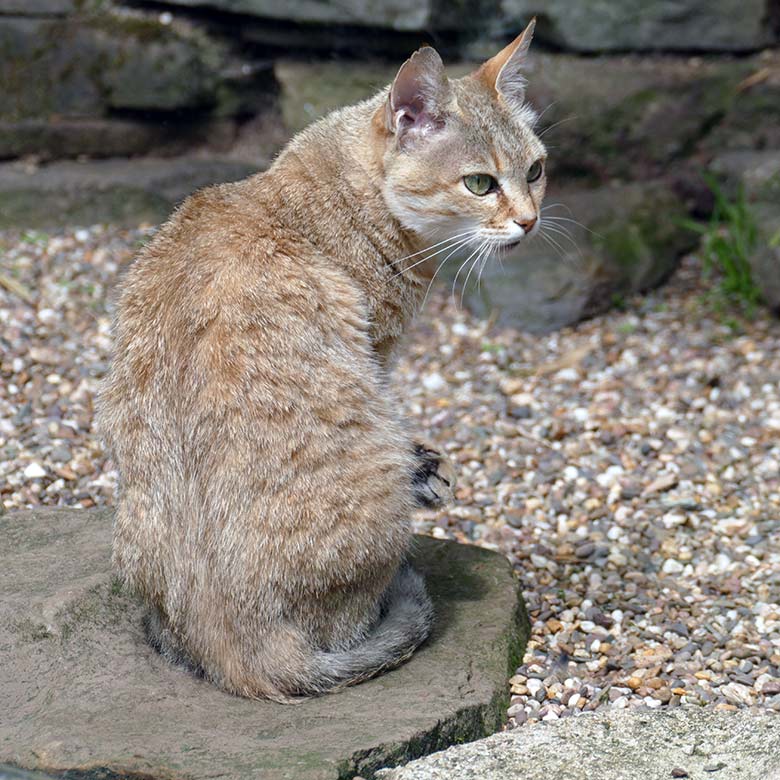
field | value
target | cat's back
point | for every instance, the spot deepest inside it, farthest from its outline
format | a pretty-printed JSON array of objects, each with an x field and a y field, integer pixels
[{"x": 225, "y": 292}]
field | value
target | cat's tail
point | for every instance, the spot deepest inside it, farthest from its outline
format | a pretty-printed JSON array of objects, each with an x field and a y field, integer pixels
[
  {"x": 405, "y": 623},
  {"x": 289, "y": 670}
]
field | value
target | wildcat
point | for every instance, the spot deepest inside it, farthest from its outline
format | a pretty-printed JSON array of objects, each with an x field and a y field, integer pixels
[{"x": 266, "y": 477}]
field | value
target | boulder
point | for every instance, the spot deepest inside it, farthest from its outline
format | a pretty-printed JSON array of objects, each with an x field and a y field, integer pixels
[
  {"x": 85, "y": 696},
  {"x": 617, "y": 745},
  {"x": 629, "y": 239},
  {"x": 111, "y": 62},
  {"x": 639, "y": 25},
  {"x": 631, "y": 117}
]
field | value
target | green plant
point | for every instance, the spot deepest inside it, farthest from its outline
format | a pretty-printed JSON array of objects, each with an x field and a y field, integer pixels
[{"x": 728, "y": 241}]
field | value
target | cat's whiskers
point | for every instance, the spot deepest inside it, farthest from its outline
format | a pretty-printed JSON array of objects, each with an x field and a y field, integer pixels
[
  {"x": 459, "y": 242},
  {"x": 433, "y": 278},
  {"x": 463, "y": 265},
  {"x": 563, "y": 233},
  {"x": 556, "y": 124},
  {"x": 539, "y": 116},
  {"x": 553, "y": 243},
  {"x": 483, "y": 252},
  {"x": 573, "y": 222},
  {"x": 549, "y": 206},
  {"x": 428, "y": 248},
  {"x": 485, "y": 261}
]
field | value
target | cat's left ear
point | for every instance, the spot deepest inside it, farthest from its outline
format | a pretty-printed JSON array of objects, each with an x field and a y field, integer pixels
[
  {"x": 504, "y": 72},
  {"x": 417, "y": 96}
]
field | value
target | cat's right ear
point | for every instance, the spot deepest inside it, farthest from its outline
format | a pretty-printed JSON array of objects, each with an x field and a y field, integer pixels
[{"x": 417, "y": 96}]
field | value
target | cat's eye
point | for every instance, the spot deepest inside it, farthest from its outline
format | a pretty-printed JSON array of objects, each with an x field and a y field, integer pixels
[
  {"x": 534, "y": 172},
  {"x": 480, "y": 183}
]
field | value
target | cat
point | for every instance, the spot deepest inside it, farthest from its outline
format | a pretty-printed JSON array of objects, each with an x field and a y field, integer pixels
[{"x": 266, "y": 479}]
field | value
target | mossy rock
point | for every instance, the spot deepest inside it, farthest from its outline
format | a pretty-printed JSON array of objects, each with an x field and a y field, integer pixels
[
  {"x": 92, "y": 63},
  {"x": 755, "y": 175},
  {"x": 629, "y": 241}
]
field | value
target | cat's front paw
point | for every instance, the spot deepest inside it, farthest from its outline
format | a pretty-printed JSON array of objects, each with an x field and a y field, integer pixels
[{"x": 433, "y": 480}]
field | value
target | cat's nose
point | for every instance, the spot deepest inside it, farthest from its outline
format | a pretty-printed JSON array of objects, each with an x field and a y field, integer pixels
[{"x": 526, "y": 224}]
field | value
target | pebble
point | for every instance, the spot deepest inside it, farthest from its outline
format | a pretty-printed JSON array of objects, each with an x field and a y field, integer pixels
[
  {"x": 737, "y": 693},
  {"x": 672, "y": 566},
  {"x": 630, "y": 474},
  {"x": 34, "y": 471}
]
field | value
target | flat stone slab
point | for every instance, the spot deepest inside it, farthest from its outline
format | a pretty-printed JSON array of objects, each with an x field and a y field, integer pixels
[
  {"x": 83, "y": 693},
  {"x": 121, "y": 191},
  {"x": 620, "y": 745}
]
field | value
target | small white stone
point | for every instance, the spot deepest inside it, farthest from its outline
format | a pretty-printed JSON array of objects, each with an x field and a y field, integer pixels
[
  {"x": 610, "y": 476},
  {"x": 567, "y": 375},
  {"x": 434, "y": 382},
  {"x": 534, "y": 686},
  {"x": 671, "y": 566},
  {"x": 34, "y": 471},
  {"x": 654, "y": 704},
  {"x": 47, "y": 316},
  {"x": 722, "y": 562}
]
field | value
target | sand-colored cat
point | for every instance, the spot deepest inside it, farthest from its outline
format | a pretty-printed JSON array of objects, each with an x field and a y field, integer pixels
[{"x": 266, "y": 477}]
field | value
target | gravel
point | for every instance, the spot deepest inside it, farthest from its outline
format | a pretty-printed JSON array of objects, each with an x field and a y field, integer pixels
[{"x": 629, "y": 467}]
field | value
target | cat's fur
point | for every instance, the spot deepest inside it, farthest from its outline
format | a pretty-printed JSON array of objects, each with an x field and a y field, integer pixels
[{"x": 266, "y": 478}]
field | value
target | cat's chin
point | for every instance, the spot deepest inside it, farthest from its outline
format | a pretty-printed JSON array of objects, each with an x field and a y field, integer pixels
[{"x": 513, "y": 244}]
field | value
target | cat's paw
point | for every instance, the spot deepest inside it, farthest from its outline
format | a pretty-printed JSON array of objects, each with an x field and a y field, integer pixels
[{"x": 433, "y": 480}]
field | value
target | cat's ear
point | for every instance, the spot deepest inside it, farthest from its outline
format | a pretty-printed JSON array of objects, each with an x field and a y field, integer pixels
[
  {"x": 417, "y": 96},
  {"x": 504, "y": 72}
]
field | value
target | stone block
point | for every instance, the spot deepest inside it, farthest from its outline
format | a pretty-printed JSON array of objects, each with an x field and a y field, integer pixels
[
  {"x": 119, "y": 191},
  {"x": 639, "y": 25},
  {"x": 617, "y": 745},
  {"x": 85, "y": 696}
]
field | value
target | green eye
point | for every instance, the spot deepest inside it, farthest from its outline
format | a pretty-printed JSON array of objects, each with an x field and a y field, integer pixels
[
  {"x": 480, "y": 183},
  {"x": 534, "y": 172}
]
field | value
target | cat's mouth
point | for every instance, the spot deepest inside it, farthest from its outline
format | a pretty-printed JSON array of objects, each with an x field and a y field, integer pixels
[{"x": 513, "y": 244}]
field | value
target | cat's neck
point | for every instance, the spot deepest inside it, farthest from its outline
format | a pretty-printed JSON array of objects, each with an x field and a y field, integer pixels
[{"x": 326, "y": 187}]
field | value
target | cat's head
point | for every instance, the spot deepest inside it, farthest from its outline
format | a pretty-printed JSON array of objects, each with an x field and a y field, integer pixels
[{"x": 460, "y": 155}]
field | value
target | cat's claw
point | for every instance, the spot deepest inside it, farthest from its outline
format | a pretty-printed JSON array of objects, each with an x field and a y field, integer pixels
[{"x": 434, "y": 479}]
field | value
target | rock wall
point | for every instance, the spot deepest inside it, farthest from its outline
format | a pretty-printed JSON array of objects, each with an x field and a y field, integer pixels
[
  {"x": 98, "y": 78},
  {"x": 638, "y": 98}
]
